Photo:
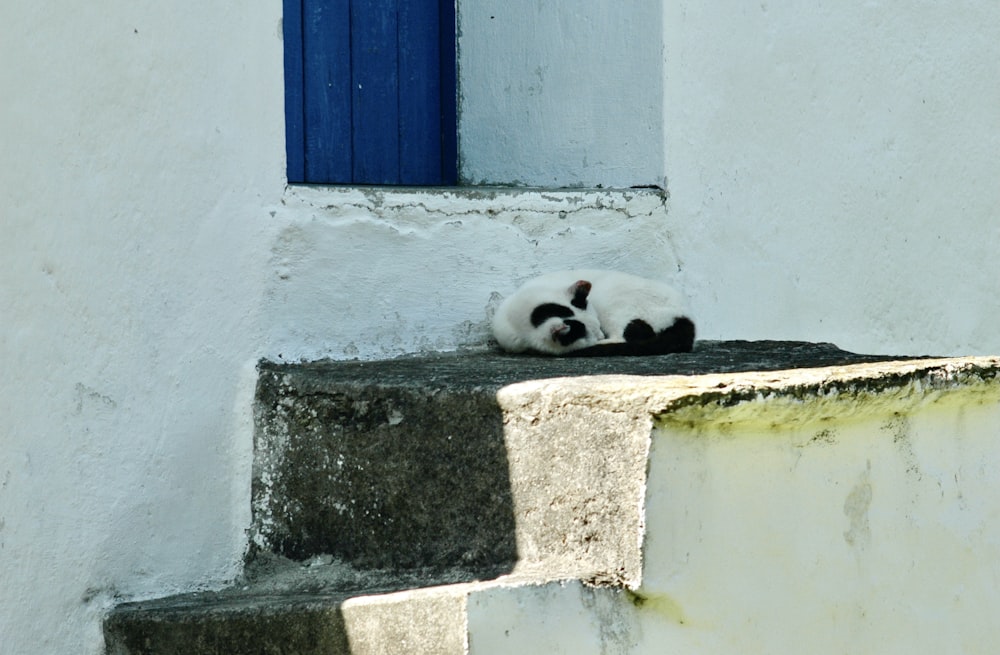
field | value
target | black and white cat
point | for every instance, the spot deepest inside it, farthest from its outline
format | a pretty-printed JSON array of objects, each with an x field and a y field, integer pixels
[{"x": 592, "y": 312}]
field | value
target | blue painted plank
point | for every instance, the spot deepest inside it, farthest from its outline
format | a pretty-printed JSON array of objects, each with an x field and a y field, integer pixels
[
  {"x": 370, "y": 91},
  {"x": 419, "y": 92},
  {"x": 294, "y": 116},
  {"x": 375, "y": 90},
  {"x": 447, "y": 47},
  {"x": 327, "y": 90}
]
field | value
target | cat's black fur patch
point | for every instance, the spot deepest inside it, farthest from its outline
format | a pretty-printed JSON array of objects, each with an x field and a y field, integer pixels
[
  {"x": 678, "y": 338},
  {"x": 577, "y": 330},
  {"x": 638, "y": 330},
  {"x": 681, "y": 334},
  {"x": 549, "y": 310},
  {"x": 580, "y": 295}
]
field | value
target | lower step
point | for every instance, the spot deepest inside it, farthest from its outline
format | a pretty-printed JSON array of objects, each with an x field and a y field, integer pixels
[
  {"x": 421, "y": 621},
  {"x": 496, "y": 617}
]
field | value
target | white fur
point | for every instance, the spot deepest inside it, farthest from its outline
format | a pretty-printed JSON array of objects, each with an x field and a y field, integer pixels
[{"x": 614, "y": 300}]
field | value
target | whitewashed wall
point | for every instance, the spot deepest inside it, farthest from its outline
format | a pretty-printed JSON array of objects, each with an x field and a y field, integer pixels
[
  {"x": 376, "y": 273},
  {"x": 832, "y": 176},
  {"x": 558, "y": 94},
  {"x": 835, "y": 169},
  {"x": 141, "y": 147}
]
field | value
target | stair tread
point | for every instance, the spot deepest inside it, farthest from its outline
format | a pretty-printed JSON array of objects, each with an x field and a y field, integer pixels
[
  {"x": 272, "y": 582},
  {"x": 492, "y": 370}
]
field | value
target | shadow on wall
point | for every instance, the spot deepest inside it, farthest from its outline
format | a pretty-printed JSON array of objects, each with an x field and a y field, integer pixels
[{"x": 380, "y": 477}]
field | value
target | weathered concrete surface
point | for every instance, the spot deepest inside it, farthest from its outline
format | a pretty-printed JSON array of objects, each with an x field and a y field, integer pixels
[
  {"x": 570, "y": 493},
  {"x": 429, "y": 621},
  {"x": 206, "y": 623},
  {"x": 824, "y": 511},
  {"x": 413, "y": 461},
  {"x": 323, "y": 606},
  {"x": 492, "y": 370},
  {"x": 385, "y": 476},
  {"x": 866, "y": 523},
  {"x": 422, "y": 621}
]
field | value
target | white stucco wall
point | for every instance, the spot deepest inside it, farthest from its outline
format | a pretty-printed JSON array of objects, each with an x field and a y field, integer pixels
[
  {"x": 826, "y": 525},
  {"x": 376, "y": 273},
  {"x": 559, "y": 94},
  {"x": 835, "y": 170},
  {"x": 142, "y": 145}
]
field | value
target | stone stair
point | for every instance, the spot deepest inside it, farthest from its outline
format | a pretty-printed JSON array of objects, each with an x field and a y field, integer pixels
[{"x": 483, "y": 503}]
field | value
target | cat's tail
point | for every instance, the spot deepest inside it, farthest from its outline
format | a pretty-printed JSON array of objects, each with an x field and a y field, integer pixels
[{"x": 678, "y": 338}]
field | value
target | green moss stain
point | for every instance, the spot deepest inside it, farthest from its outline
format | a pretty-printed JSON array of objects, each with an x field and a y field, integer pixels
[
  {"x": 661, "y": 604},
  {"x": 818, "y": 406}
]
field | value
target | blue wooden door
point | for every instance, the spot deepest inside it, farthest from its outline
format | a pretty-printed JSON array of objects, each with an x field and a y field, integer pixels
[{"x": 370, "y": 91}]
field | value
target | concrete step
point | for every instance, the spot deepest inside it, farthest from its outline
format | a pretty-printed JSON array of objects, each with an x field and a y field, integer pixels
[
  {"x": 422, "y": 461},
  {"x": 320, "y": 607},
  {"x": 495, "y": 617},
  {"x": 479, "y": 503}
]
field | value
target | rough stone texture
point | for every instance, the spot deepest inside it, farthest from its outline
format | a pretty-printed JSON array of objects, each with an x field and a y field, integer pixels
[
  {"x": 366, "y": 621},
  {"x": 408, "y": 462},
  {"x": 577, "y": 479},
  {"x": 430, "y": 472},
  {"x": 430, "y": 622},
  {"x": 492, "y": 370},
  {"x": 382, "y": 476},
  {"x": 323, "y": 606},
  {"x": 206, "y": 624}
]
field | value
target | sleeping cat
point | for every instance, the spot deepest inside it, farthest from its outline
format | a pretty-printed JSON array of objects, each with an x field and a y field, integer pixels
[{"x": 591, "y": 312}]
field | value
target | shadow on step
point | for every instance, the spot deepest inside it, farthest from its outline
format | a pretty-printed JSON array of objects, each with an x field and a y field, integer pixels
[{"x": 381, "y": 476}]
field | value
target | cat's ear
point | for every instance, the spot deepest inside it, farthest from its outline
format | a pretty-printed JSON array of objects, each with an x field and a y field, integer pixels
[{"x": 579, "y": 290}]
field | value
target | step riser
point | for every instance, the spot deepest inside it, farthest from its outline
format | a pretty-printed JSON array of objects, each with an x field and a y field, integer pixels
[
  {"x": 381, "y": 477},
  {"x": 301, "y": 631},
  {"x": 422, "y": 622},
  {"x": 464, "y": 619},
  {"x": 430, "y": 622},
  {"x": 484, "y": 480},
  {"x": 578, "y": 477}
]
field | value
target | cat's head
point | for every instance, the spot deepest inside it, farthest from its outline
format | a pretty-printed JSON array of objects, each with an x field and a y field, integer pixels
[{"x": 547, "y": 319}]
